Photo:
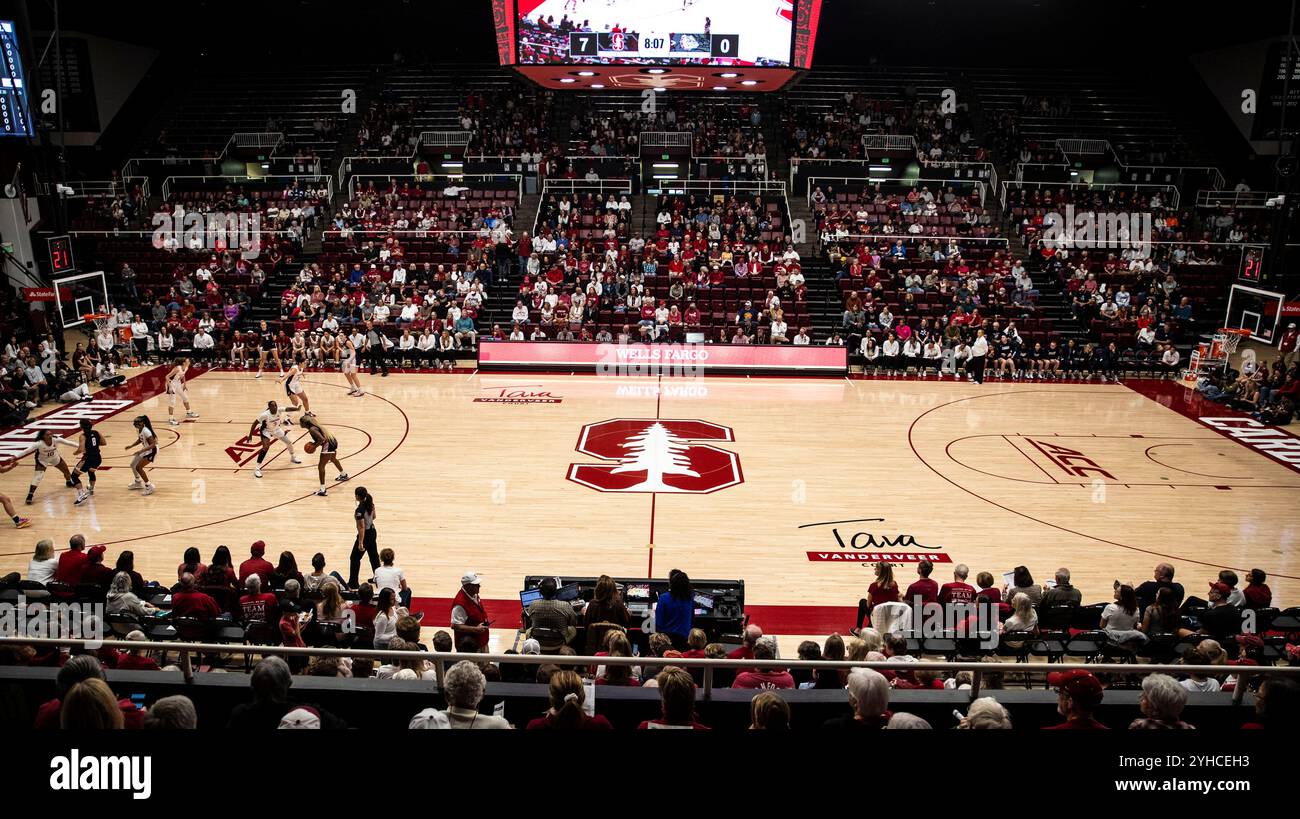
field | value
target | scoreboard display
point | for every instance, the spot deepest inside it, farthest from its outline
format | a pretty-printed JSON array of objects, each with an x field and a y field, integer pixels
[
  {"x": 652, "y": 45},
  {"x": 15, "y": 118},
  {"x": 756, "y": 33}
]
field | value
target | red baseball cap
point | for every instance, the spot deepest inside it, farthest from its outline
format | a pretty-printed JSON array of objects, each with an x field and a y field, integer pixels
[
  {"x": 258, "y": 547},
  {"x": 1221, "y": 587},
  {"x": 1079, "y": 684}
]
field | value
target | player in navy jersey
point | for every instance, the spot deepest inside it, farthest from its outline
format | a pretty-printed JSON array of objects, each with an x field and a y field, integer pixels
[{"x": 88, "y": 450}]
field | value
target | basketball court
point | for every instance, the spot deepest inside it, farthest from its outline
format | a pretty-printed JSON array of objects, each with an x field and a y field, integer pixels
[{"x": 795, "y": 485}]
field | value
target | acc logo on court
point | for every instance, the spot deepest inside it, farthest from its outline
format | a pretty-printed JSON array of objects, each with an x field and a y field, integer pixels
[{"x": 656, "y": 455}]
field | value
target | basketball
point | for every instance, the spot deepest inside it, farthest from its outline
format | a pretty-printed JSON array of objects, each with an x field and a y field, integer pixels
[{"x": 310, "y": 447}]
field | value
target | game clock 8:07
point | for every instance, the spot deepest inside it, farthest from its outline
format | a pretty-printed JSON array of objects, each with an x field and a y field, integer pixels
[{"x": 61, "y": 260}]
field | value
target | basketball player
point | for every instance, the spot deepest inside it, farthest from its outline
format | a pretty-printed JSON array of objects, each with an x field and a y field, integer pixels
[
  {"x": 349, "y": 365},
  {"x": 88, "y": 448},
  {"x": 271, "y": 425},
  {"x": 175, "y": 388},
  {"x": 266, "y": 342},
  {"x": 329, "y": 448},
  {"x": 46, "y": 448},
  {"x": 293, "y": 384},
  {"x": 19, "y": 522},
  {"x": 148, "y": 443}
]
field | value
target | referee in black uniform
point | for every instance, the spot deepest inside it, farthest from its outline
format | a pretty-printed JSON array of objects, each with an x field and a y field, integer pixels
[{"x": 376, "y": 353}]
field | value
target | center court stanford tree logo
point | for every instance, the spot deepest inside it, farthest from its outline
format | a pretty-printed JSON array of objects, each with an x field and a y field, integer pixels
[{"x": 656, "y": 455}]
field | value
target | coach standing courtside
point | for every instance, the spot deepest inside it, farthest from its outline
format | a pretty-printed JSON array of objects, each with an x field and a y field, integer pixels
[{"x": 979, "y": 352}]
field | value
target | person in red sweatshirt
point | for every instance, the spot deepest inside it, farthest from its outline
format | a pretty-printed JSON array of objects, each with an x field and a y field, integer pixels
[
  {"x": 134, "y": 660},
  {"x": 958, "y": 591},
  {"x": 256, "y": 564},
  {"x": 1078, "y": 694},
  {"x": 925, "y": 588},
  {"x": 72, "y": 561},
  {"x": 765, "y": 678},
  {"x": 188, "y": 602},
  {"x": 93, "y": 571}
]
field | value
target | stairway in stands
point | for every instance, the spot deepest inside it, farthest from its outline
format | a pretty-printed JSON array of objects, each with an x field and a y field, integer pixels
[{"x": 825, "y": 309}]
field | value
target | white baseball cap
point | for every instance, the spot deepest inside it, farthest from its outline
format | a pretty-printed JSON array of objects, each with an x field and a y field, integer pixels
[
  {"x": 469, "y": 579},
  {"x": 430, "y": 718}
]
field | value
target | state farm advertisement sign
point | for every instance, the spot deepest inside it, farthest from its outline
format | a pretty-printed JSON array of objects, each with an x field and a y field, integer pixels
[{"x": 662, "y": 359}]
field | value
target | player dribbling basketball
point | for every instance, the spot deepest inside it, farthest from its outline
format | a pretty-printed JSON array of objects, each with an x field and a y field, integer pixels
[
  {"x": 327, "y": 445},
  {"x": 272, "y": 425}
]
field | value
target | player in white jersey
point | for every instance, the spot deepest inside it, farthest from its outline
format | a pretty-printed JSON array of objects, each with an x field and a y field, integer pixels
[
  {"x": 293, "y": 386},
  {"x": 349, "y": 365},
  {"x": 148, "y": 442},
  {"x": 272, "y": 425},
  {"x": 48, "y": 456},
  {"x": 176, "y": 389}
]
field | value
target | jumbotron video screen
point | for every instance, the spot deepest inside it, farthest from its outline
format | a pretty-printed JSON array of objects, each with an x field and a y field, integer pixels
[{"x": 656, "y": 32}]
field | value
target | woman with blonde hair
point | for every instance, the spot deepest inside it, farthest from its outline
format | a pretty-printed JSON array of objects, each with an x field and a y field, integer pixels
[
  {"x": 332, "y": 608},
  {"x": 1023, "y": 616},
  {"x": 41, "y": 568},
  {"x": 90, "y": 705},
  {"x": 566, "y": 712},
  {"x": 768, "y": 712},
  {"x": 883, "y": 590},
  {"x": 121, "y": 599},
  {"x": 986, "y": 713}
]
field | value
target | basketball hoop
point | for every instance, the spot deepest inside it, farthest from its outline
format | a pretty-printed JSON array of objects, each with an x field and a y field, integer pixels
[
  {"x": 100, "y": 320},
  {"x": 1229, "y": 338}
]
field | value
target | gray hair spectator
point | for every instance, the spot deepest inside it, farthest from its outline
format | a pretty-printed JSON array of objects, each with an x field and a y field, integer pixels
[
  {"x": 271, "y": 680},
  {"x": 869, "y": 698},
  {"x": 464, "y": 686},
  {"x": 172, "y": 713},
  {"x": 1162, "y": 702},
  {"x": 907, "y": 721},
  {"x": 986, "y": 713}
]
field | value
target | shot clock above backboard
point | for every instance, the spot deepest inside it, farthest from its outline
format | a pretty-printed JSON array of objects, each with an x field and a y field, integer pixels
[{"x": 61, "y": 259}]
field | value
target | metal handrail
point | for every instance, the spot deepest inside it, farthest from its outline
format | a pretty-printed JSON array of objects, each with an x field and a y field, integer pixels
[
  {"x": 918, "y": 237},
  {"x": 666, "y": 139},
  {"x": 256, "y": 139},
  {"x": 1008, "y": 184},
  {"x": 866, "y": 180},
  {"x": 440, "y": 657},
  {"x": 430, "y": 177},
  {"x": 329, "y": 181},
  {"x": 889, "y": 142},
  {"x": 1234, "y": 199},
  {"x": 1086, "y": 147},
  {"x": 444, "y": 138}
]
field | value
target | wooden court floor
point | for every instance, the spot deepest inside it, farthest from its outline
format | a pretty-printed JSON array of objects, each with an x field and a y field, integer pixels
[{"x": 795, "y": 485}]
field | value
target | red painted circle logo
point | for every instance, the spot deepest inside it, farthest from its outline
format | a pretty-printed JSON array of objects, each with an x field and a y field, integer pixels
[{"x": 656, "y": 455}]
